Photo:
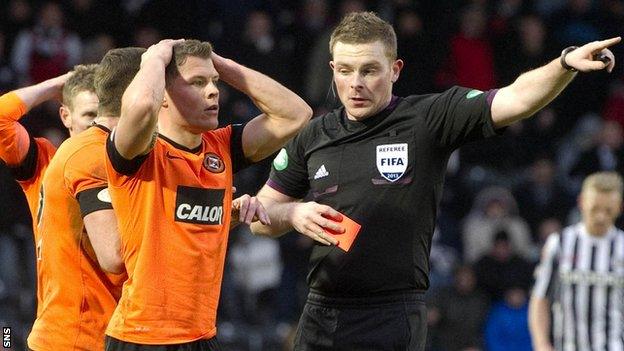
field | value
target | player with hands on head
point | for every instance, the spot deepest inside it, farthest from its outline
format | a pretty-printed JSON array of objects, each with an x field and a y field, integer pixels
[{"x": 170, "y": 169}]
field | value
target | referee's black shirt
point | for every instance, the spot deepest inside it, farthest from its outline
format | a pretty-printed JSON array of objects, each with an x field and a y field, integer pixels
[{"x": 385, "y": 172}]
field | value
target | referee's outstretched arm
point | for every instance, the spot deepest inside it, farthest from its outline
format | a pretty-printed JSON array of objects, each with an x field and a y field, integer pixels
[{"x": 535, "y": 89}]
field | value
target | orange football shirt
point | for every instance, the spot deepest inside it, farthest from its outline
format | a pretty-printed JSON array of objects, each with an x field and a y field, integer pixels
[
  {"x": 174, "y": 215},
  {"x": 15, "y": 145},
  {"x": 78, "y": 296},
  {"x": 15, "y": 150}
]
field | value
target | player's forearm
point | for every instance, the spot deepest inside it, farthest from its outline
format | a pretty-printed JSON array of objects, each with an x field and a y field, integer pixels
[
  {"x": 279, "y": 214},
  {"x": 275, "y": 100},
  {"x": 36, "y": 94},
  {"x": 539, "y": 322},
  {"x": 139, "y": 109},
  {"x": 529, "y": 93}
]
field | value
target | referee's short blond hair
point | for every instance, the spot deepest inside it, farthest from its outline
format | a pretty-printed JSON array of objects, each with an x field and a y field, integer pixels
[{"x": 604, "y": 182}]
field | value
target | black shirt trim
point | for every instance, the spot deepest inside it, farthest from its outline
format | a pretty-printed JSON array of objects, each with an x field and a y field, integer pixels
[
  {"x": 27, "y": 168},
  {"x": 194, "y": 150},
  {"x": 93, "y": 200},
  {"x": 239, "y": 161},
  {"x": 120, "y": 163},
  {"x": 104, "y": 128}
]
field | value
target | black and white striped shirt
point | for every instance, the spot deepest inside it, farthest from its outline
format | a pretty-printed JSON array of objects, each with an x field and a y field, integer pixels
[{"x": 583, "y": 276}]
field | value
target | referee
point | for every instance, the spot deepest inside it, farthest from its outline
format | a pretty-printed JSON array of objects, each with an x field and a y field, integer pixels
[
  {"x": 581, "y": 276},
  {"x": 380, "y": 160}
]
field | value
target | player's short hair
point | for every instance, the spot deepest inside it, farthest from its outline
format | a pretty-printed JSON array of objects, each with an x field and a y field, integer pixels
[
  {"x": 181, "y": 51},
  {"x": 604, "y": 182},
  {"x": 364, "y": 28},
  {"x": 113, "y": 75},
  {"x": 81, "y": 80}
]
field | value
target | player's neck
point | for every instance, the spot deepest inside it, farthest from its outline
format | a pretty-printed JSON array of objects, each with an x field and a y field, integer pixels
[
  {"x": 181, "y": 136},
  {"x": 107, "y": 121}
]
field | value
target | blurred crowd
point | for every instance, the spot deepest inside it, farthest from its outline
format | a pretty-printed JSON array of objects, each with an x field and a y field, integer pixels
[{"x": 502, "y": 197}]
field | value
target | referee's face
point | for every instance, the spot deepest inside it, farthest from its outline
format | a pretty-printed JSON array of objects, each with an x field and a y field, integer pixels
[
  {"x": 364, "y": 75},
  {"x": 599, "y": 210}
]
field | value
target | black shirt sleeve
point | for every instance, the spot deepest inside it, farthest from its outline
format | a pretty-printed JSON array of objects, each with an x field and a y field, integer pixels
[
  {"x": 92, "y": 200},
  {"x": 121, "y": 164},
  {"x": 26, "y": 169},
  {"x": 289, "y": 172},
  {"x": 461, "y": 115},
  {"x": 239, "y": 162}
]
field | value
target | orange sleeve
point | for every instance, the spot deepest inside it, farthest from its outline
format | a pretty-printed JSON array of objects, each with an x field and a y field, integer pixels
[
  {"x": 85, "y": 170},
  {"x": 14, "y": 139}
]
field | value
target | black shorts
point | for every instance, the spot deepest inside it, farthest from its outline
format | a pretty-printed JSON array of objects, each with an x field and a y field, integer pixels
[
  {"x": 211, "y": 344},
  {"x": 393, "y": 322}
]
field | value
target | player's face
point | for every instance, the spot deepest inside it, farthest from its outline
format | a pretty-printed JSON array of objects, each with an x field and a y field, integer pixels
[
  {"x": 364, "y": 76},
  {"x": 82, "y": 112},
  {"x": 599, "y": 210},
  {"x": 193, "y": 96}
]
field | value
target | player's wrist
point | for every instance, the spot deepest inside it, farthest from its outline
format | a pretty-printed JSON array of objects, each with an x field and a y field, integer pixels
[{"x": 564, "y": 62}]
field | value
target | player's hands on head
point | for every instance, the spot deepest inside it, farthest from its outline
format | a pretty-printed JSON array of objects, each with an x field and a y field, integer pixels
[
  {"x": 587, "y": 58},
  {"x": 311, "y": 219},
  {"x": 57, "y": 83},
  {"x": 163, "y": 50},
  {"x": 247, "y": 209}
]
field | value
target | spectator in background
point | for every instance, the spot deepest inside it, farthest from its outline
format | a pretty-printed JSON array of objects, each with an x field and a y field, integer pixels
[
  {"x": 17, "y": 16},
  {"x": 318, "y": 88},
  {"x": 457, "y": 314},
  {"x": 506, "y": 328},
  {"x": 412, "y": 41},
  {"x": 471, "y": 61},
  {"x": 501, "y": 269},
  {"x": 523, "y": 51},
  {"x": 606, "y": 155},
  {"x": 7, "y": 75},
  {"x": 494, "y": 210},
  {"x": 261, "y": 49},
  {"x": 146, "y": 36},
  {"x": 46, "y": 50},
  {"x": 97, "y": 47},
  {"x": 542, "y": 196}
]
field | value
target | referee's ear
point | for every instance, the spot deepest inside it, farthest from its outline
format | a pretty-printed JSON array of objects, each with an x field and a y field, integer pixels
[{"x": 397, "y": 66}]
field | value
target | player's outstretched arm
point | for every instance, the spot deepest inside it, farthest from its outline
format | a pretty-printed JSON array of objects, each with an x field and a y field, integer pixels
[
  {"x": 14, "y": 139},
  {"x": 284, "y": 112},
  {"x": 287, "y": 213},
  {"x": 539, "y": 323},
  {"x": 101, "y": 227},
  {"x": 535, "y": 89},
  {"x": 142, "y": 100}
]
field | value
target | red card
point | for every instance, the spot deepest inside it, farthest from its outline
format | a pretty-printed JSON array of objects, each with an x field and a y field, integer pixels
[{"x": 346, "y": 239}]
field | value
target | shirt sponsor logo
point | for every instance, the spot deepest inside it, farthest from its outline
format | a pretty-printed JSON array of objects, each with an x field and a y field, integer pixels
[
  {"x": 213, "y": 163},
  {"x": 392, "y": 161},
  {"x": 281, "y": 160},
  {"x": 199, "y": 205},
  {"x": 592, "y": 278}
]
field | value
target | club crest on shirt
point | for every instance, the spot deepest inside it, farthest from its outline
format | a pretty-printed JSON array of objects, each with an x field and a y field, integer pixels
[
  {"x": 213, "y": 163},
  {"x": 392, "y": 161}
]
